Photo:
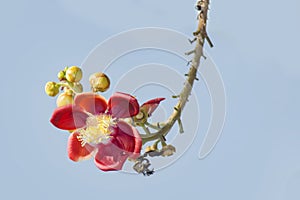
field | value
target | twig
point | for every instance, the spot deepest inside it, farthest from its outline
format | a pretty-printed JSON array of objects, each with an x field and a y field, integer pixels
[{"x": 200, "y": 35}]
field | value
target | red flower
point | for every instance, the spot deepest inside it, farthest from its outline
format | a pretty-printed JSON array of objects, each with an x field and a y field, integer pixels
[{"x": 99, "y": 130}]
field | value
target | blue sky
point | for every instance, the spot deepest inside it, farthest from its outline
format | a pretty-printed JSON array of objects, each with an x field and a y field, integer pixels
[{"x": 256, "y": 51}]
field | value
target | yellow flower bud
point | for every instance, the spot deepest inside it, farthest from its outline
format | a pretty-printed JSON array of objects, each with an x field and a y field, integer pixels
[
  {"x": 64, "y": 99},
  {"x": 99, "y": 82},
  {"x": 61, "y": 75},
  {"x": 73, "y": 74},
  {"x": 52, "y": 89}
]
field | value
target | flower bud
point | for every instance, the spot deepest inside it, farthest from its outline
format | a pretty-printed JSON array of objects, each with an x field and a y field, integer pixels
[
  {"x": 52, "y": 89},
  {"x": 64, "y": 99},
  {"x": 73, "y": 74},
  {"x": 168, "y": 150},
  {"x": 99, "y": 82},
  {"x": 61, "y": 75},
  {"x": 140, "y": 118}
]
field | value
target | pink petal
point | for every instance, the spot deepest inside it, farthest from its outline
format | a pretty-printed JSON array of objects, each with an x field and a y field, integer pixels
[
  {"x": 75, "y": 151},
  {"x": 128, "y": 138},
  {"x": 91, "y": 102},
  {"x": 151, "y": 105},
  {"x": 68, "y": 117},
  {"x": 123, "y": 105},
  {"x": 125, "y": 142},
  {"x": 110, "y": 157}
]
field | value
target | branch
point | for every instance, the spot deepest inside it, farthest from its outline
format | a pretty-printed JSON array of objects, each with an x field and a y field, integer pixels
[{"x": 200, "y": 37}]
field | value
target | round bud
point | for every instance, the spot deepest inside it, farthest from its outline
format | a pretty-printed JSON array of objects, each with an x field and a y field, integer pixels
[
  {"x": 61, "y": 75},
  {"x": 73, "y": 74},
  {"x": 99, "y": 82},
  {"x": 64, "y": 99},
  {"x": 140, "y": 115},
  {"x": 51, "y": 89}
]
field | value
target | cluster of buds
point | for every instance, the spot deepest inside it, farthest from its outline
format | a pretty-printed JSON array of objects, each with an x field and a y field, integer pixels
[
  {"x": 71, "y": 74},
  {"x": 69, "y": 83}
]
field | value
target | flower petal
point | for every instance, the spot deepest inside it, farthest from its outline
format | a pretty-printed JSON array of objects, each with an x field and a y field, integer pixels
[
  {"x": 128, "y": 139},
  {"x": 150, "y": 106},
  {"x": 68, "y": 117},
  {"x": 110, "y": 157},
  {"x": 91, "y": 102},
  {"x": 123, "y": 105},
  {"x": 125, "y": 142},
  {"x": 75, "y": 151}
]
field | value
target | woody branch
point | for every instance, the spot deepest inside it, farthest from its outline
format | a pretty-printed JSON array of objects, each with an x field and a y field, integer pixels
[{"x": 200, "y": 37}]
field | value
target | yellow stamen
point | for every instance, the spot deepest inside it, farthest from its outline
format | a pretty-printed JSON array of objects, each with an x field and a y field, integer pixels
[{"x": 98, "y": 129}]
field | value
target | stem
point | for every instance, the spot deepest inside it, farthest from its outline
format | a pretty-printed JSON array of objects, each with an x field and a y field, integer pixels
[
  {"x": 156, "y": 144},
  {"x": 162, "y": 141},
  {"x": 200, "y": 37},
  {"x": 180, "y": 125},
  {"x": 146, "y": 129},
  {"x": 68, "y": 85},
  {"x": 153, "y": 126}
]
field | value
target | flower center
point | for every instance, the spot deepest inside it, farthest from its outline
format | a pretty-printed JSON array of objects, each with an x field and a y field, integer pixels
[{"x": 98, "y": 129}]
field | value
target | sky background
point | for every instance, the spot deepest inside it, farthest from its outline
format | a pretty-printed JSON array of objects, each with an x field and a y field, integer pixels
[{"x": 256, "y": 50}]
